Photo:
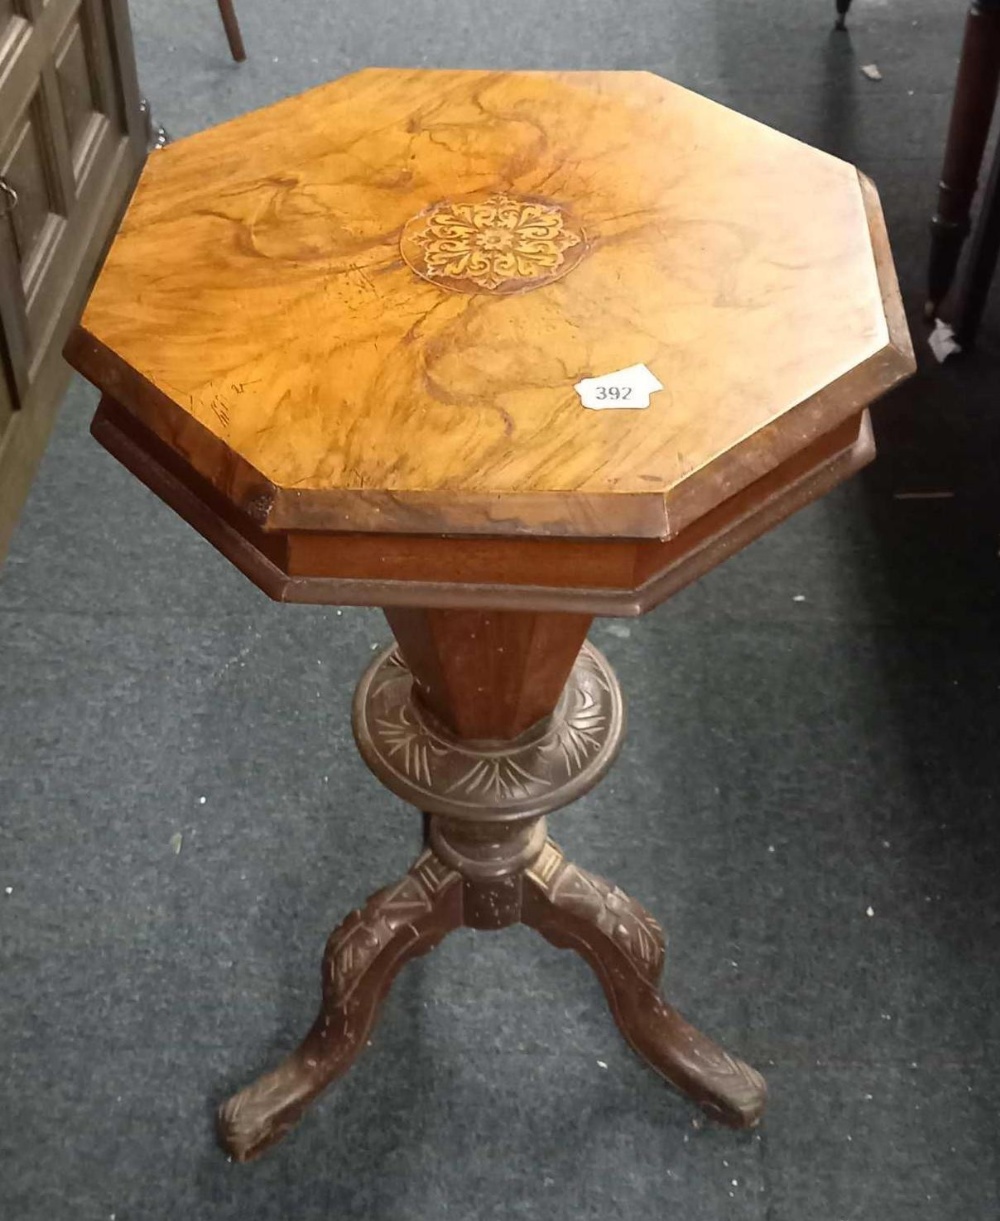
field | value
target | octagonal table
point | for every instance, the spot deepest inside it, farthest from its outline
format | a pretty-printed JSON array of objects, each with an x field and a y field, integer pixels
[{"x": 497, "y": 352}]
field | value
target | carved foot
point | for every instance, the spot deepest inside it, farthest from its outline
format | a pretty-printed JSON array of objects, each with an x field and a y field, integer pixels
[
  {"x": 623, "y": 943},
  {"x": 362, "y": 958}
]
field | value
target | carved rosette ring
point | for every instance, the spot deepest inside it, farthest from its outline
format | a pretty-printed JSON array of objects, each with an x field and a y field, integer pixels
[
  {"x": 547, "y": 767},
  {"x": 494, "y": 243}
]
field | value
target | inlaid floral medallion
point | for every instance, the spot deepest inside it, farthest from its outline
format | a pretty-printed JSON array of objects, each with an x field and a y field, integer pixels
[{"x": 495, "y": 243}]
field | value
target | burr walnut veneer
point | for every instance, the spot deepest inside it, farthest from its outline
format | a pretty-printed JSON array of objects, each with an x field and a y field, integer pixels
[{"x": 343, "y": 337}]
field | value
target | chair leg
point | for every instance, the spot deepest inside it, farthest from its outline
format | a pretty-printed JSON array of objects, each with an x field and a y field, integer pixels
[
  {"x": 232, "y": 26},
  {"x": 968, "y": 130},
  {"x": 842, "y": 9}
]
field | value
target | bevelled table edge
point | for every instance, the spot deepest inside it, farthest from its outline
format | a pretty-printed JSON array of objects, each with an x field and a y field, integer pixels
[
  {"x": 228, "y": 472},
  {"x": 842, "y": 398},
  {"x": 900, "y": 340},
  {"x": 274, "y": 508},
  {"x": 256, "y": 553}
]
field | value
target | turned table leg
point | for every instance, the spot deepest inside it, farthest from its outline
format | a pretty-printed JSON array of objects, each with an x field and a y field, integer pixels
[
  {"x": 982, "y": 264},
  {"x": 968, "y": 130}
]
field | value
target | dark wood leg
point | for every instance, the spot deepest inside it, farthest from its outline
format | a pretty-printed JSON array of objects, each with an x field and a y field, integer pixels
[
  {"x": 232, "y": 26},
  {"x": 982, "y": 262},
  {"x": 968, "y": 130},
  {"x": 362, "y": 958},
  {"x": 576, "y": 910},
  {"x": 843, "y": 6},
  {"x": 487, "y": 723},
  {"x": 476, "y": 722}
]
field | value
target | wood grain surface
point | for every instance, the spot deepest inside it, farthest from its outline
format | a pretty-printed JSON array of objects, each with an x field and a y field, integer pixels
[
  {"x": 577, "y": 576},
  {"x": 488, "y": 674},
  {"x": 365, "y": 308}
]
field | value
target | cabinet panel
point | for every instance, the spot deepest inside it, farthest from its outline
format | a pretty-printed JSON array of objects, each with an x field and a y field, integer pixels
[
  {"x": 68, "y": 138},
  {"x": 13, "y": 28},
  {"x": 85, "y": 84},
  {"x": 76, "y": 86},
  {"x": 71, "y": 143},
  {"x": 8, "y": 13},
  {"x": 28, "y": 170}
]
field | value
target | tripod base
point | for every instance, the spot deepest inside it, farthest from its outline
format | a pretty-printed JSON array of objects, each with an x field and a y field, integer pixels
[
  {"x": 570, "y": 907},
  {"x": 487, "y": 722}
]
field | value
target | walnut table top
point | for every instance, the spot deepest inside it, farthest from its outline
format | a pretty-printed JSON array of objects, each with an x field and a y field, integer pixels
[{"x": 337, "y": 329}]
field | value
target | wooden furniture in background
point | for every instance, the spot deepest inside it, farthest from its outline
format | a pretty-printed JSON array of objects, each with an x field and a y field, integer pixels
[
  {"x": 227, "y": 12},
  {"x": 341, "y": 336},
  {"x": 843, "y": 8},
  {"x": 71, "y": 144},
  {"x": 981, "y": 264},
  {"x": 968, "y": 131}
]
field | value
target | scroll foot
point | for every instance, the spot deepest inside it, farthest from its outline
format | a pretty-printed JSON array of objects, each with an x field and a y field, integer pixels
[
  {"x": 574, "y": 909},
  {"x": 363, "y": 957}
]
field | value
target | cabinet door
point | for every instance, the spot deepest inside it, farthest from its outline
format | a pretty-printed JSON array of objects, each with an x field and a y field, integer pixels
[
  {"x": 67, "y": 136},
  {"x": 71, "y": 143}
]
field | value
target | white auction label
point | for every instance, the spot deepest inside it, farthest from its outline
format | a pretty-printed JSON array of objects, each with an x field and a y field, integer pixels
[{"x": 629, "y": 387}]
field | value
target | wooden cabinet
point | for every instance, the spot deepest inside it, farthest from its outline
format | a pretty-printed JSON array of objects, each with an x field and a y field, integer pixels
[{"x": 71, "y": 144}]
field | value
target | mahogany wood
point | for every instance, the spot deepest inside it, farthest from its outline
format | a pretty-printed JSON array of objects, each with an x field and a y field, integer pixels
[
  {"x": 475, "y": 780},
  {"x": 488, "y": 674},
  {"x": 488, "y": 573},
  {"x": 577, "y": 910},
  {"x": 363, "y": 956},
  {"x": 488, "y": 875},
  {"x": 571, "y": 908},
  {"x": 231, "y": 24}
]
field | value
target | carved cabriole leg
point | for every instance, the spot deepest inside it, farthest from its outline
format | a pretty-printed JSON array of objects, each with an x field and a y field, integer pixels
[
  {"x": 623, "y": 943},
  {"x": 362, "y": 958}
]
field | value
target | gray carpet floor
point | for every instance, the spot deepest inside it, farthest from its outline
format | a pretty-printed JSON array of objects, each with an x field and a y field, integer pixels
[{"x": 807, "y": 798}]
